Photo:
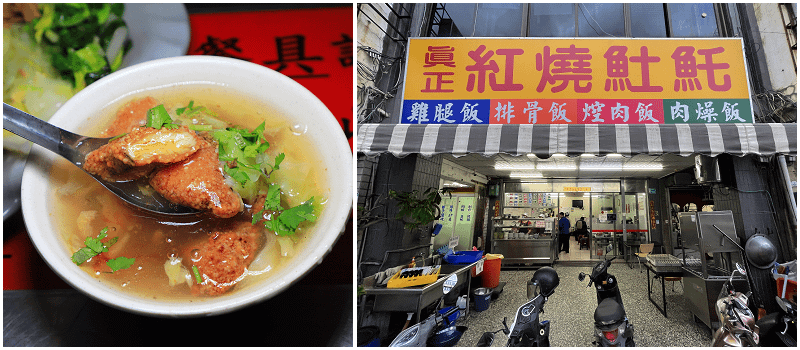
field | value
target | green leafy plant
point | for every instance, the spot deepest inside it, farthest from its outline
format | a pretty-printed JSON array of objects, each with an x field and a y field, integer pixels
[{"x": 417, "y": 209}]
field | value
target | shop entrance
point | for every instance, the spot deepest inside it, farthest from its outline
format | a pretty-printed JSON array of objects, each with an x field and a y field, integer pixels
[{"x": 529, "y": 213}]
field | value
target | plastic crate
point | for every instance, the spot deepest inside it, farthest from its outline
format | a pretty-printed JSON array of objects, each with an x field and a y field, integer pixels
[{"x": 464, "y": 257}]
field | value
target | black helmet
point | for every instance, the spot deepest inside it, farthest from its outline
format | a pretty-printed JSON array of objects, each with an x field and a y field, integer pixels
[
  {"x": 547, "y": 280},
  {"x": 760, "y": 251}
]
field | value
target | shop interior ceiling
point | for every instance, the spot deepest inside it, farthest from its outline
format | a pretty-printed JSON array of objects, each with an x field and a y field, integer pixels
[{"x": 584, "y": 166}]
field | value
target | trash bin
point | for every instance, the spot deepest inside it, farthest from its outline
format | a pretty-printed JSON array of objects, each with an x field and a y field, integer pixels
[
  {"x": 483, "y": 296},
  {"x": 490, "y": 277}
]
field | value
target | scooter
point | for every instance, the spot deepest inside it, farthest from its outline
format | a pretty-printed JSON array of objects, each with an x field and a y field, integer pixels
[
  {"x": 739, "y": 326},
  {"x": 737, "y": 323},
  {"x": 779, "y": 328},
  {"x": 527, "y": 330},
  {"x": 436, "y": 329},
  {"x": 612, "y": 327}
]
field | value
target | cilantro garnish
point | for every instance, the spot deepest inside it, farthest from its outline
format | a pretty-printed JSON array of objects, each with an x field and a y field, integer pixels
[
  {"x": 120, "y": 263},
  {"x": 95, "y": 246},
  {"x": 191, "y": 110},
  {"x": 287, "y": 222},
  {"x": 158, "y": 117},
  {"x": 247, "y": 161},
  {"x": 271, "y": 202}
]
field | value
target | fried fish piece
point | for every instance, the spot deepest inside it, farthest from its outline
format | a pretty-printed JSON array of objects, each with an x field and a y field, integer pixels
[
  {"x": 140, "y": 151},
  {"x": 198, "y": 182},
  {"x": 223, "y": 258}
]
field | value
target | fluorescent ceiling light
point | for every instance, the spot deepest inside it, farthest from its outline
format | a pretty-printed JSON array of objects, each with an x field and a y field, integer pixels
[
  {"x": 557, "y": 167},
  {"x": 625, "y": 167},
  {"x": 514, "y": 167},
  {"x": 597, "y": 167},
  {"x": 614, "y": 155},
  {"x": 525, "y": 175},
  {"x": 587, "y": 155},
  {"x": 643, "y": 167}
]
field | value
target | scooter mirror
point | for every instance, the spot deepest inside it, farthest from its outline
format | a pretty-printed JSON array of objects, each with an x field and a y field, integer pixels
[
  {"x": 741, "y": 269},
  {"x": 609, "y": 248},
  {"x": 449, "y": 283},
  {"x": 532, "y": 290},
  {"x": 581, "y": 276}
]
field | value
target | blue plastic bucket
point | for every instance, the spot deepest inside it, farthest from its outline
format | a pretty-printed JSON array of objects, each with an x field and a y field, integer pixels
[{"x": 483, "y": 296}]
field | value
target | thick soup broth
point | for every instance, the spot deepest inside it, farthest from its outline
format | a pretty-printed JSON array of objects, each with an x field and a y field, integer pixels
[{"x": 83, "y": 208}]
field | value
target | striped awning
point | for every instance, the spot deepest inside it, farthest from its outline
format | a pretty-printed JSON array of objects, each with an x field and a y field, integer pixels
[{"x": 682, "y": 139}]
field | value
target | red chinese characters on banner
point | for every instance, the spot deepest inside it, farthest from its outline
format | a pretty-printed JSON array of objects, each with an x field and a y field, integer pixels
[
  {"x": 484, "y": 64},
  {"x": 686, "y": 68},
  {"x": 318, "y": 57},
  {"x": 567, "y": 64},
  {"x": 617, "y": 67}
]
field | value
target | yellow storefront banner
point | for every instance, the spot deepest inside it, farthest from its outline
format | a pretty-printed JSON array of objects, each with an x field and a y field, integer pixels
[{"x": 575, "y": 80}]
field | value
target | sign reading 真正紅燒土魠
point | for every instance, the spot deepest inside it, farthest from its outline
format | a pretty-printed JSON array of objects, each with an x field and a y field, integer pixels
[{"x": 575, "y": 81}]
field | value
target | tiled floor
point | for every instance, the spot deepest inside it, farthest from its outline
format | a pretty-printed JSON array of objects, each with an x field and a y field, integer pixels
[
  {"x": 570, "y": 310},
  {"x": 575, "y": 254}
]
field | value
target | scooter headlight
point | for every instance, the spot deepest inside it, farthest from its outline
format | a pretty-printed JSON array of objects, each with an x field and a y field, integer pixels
[{"x": 407, "y": 337}]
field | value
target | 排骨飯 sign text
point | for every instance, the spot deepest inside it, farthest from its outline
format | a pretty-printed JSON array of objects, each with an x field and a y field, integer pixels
[{"x": 575, "y": 81}]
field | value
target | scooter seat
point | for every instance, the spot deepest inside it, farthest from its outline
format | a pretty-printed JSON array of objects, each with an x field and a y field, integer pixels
[{"x": 609, "y": 313}]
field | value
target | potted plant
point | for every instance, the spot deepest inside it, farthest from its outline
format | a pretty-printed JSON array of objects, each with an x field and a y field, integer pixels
[{"x": 417, "y": 209}]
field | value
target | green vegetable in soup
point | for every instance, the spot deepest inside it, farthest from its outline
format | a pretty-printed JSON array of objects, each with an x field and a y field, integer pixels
[
  {"x": 196, "y": 274},
  {"x": 158, "y": 117},
  {"x": 95, "y": 246},
  {"x": 120, "y": 263},
  {"x": 85, "y": 42}
]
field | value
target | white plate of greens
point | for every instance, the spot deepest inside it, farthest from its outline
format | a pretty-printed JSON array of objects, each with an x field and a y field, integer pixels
[{"x": 156, "y": 31}]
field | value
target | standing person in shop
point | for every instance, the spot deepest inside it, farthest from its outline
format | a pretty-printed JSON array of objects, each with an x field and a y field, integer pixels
[{"x": 563, "y": 230}]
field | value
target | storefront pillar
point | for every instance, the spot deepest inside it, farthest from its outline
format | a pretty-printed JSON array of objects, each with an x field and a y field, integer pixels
[
  {"x": 414, "y": 172},
  {"x": 752, "y": 193}
]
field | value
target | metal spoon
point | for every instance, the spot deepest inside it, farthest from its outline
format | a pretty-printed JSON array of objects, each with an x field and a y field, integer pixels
[{"x": 75, "y": 147}]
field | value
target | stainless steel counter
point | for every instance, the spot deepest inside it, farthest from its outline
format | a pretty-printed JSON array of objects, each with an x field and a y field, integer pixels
[
  {"x": 702, "y": 293},
  {"x": 414, "y": 299},
  {"x": 542, "y": 250}
]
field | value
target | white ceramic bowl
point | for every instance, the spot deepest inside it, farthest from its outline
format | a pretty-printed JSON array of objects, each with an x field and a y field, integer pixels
[{"x": 270, "y": 87}]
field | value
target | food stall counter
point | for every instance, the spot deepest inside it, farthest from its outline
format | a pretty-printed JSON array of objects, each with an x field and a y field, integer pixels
[
  {"x": 414, "y": 299},
  {"x": 534, "y": 250}
]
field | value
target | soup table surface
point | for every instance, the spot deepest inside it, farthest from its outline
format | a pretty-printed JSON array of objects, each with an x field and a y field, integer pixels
[{"x": 40, "y": 309}]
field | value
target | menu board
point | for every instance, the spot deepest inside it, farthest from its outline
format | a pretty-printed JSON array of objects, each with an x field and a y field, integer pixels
[{"x": 529, "y": 200}]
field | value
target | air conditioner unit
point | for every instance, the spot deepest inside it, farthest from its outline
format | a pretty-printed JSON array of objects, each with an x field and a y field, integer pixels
[{"x": 706, "y": 169}]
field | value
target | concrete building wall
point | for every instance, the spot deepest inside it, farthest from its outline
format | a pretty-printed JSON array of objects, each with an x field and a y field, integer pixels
[{"x": 782, "y": 70}]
